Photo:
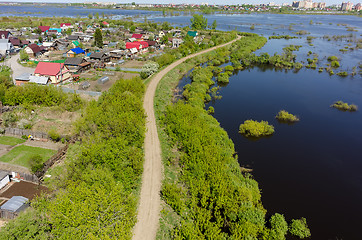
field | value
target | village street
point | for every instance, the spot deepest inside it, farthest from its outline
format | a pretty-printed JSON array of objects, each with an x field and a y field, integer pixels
[{"x": 17, "y": 69}]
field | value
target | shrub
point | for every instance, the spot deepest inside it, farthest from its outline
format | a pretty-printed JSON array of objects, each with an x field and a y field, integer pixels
[
  {"x": 299, "y": 228},
  {"x": 36, "y": 163},
  {"x": 335, "y": 64},
  {"x": 9, "y": 119},
  {"x": 148, "y": 69},
  {"x": 342, "y": 74},
  {"x": 332, "y": 58},
  {"x": 279, "y": 227},
  {"x": 211, "y": 110},
  {"x": 223, "y": 78},
  {"x": 229, "y": 68},
  {"x": 340, "y": 105},
  {"x": 284, "y": 116},
  {"x": 54, "y": 135},
  {"x": 251, "y": 128}
]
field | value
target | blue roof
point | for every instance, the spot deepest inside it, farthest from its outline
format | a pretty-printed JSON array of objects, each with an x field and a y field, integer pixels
[
  {"x": 77, "y": 50},
  {"x": 59, "y": 30}
]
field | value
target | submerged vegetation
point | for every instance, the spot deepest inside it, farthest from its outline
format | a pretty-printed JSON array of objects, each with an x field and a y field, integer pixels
[
  {"x": 282, "y": 37},
  {"x": 251, "y": 128},
  {"x": 284, "y": 116},
  {"x": 340, "y": 105}
]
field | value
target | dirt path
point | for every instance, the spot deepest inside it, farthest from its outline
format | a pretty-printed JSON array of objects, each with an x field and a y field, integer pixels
[
  {"x": 16, "y": 67},
  {"x": 150, "y": 202}
]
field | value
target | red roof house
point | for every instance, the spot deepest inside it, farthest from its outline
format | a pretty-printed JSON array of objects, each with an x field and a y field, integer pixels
[
  {"x": 56, "y": 72},
  {"x": 44, "y": 28},
  {"x": 137, "y": 36},
  {"x": 65, "y": 25},
  {"x": 105, "y": 23},
  {"x": 5, "y": 34},
  {"x": 140, "y": 46}
]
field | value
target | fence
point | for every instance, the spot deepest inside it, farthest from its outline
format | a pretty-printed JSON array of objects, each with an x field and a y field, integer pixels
[
  {"x": 26, "y": 132},
  {"x": 7, "y": 214},
  {"x": 90, "y": 93}
]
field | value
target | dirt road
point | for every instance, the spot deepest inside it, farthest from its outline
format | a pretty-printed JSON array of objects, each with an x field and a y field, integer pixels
[
  {"x": 150, "y": 202},
  {"x": 17, "y": 69}
]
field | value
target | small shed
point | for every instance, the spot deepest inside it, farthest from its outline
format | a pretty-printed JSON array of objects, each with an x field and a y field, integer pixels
[
  {"x": 103, "y": 80},
  {"x": 41, "y": 80},
  {"x": 12, "y": 207},
  {"x": 4, "y": 179},
  {"x": 84, "y": 85},
  {"x": 23, "y": 78}
]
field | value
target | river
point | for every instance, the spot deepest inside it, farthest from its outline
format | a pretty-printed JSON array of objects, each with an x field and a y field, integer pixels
[{"x": 311, "y": 168}]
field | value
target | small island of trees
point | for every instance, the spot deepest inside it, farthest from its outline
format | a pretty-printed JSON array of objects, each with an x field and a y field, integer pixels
[
  {"x": 284, "y": 116},
  {"x": 251, "y": 128},
  {"x": 340, "y": 105}
]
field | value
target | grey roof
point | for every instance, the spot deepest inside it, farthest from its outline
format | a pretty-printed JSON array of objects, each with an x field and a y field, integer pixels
[
  {"x": 23, "y": 77},
  {"x": 73, "y": 37},
  {"x": 73, "y": 61},
  {"x": 39, "y": 79},
  {"x": 3, "y": 174},
  {"x": 14, "y": 204}
]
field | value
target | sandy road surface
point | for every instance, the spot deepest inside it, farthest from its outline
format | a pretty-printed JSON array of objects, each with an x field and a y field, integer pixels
[
  {"x": 16, "y": 67},
  {"x": 150, "y": 202}
]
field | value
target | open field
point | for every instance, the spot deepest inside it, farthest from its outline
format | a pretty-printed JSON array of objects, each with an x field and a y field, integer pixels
[
  {"x": 12, "y": 141},
  {"x": 20, "y": 155}
]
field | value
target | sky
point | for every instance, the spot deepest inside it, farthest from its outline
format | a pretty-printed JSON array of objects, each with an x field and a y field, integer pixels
[{"x": 328, "y": 2}]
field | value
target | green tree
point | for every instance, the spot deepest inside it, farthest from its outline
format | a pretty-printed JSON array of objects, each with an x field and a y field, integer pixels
[
  {"x": 279, "y": 227},
  {"x": 23, "y": 55},
  {"x": 198, "y": 22},
  {"x": 214, "y": 25},
  {"x": 97, "y": 15},
  {"x": 299, "y": 228},
  {"x": 36, "y": 163},
  {"x": 98, "y": 38},
  {"x": 90, "y": 16},
  {"x": 68, "y": 31}
]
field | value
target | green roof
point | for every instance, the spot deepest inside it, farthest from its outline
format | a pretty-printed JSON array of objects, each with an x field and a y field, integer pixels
[
  {"x": 192, "y": 33},
  {"x": 76, "y": 43}
]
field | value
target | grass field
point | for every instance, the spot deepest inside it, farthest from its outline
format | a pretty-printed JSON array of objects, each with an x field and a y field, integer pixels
[
  {"x": 21, "y": 155},
  {"x": 6, "y": 140}
]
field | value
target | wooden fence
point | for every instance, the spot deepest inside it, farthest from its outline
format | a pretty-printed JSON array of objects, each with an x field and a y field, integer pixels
[
  {"x": 26, "y": 132},
  {"x": 7, "y": 214}
]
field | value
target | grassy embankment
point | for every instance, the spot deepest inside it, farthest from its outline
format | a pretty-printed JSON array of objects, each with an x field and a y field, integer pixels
[
  {"x": 205, "y": 193},
  {"x": 95, "y": 189}
]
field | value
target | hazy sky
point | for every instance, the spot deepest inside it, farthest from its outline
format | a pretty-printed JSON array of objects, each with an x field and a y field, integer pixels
[{"x": 328, "y": 2}]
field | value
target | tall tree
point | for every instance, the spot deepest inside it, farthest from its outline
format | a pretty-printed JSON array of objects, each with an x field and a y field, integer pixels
[
  {"x": 98, "y": 38},
  {"x": 214, "y": 25},
  {"x": 198, "y": 22}
]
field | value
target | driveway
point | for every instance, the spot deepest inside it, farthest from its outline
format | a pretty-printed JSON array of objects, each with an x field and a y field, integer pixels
[{"x": 17, "y": 69}]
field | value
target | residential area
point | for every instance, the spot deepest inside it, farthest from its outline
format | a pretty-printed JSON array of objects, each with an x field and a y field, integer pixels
[{"x": 76, "y": 55}]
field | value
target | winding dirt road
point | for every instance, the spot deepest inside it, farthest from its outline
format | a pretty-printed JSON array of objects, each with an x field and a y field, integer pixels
[
  {"x": 17, "y": 69},
  {"x": 150, "y": 201}
]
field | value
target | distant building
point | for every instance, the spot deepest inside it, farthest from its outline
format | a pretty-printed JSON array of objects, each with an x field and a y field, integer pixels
[
  {"x": 308, "y": 4},
  {"x": 346, "y": 6},
  {"x": 358, "y": 7}
]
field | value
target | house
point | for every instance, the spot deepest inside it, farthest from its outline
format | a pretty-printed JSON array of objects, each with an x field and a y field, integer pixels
[
  {"x": 6, "y": 47},
  {"x": 5, "y": 34},
  {"x": 100, "y": 56},
  {"x": 176, "y": 42},
  {"x": 137, "y": 36},
  {"x": 141, "y": 46},
  {"x": 74, "y": 51},
  {"x": 65, "y": 26},
  {"x": 33, "y": 50},
  {"x": 16, "y": 42},
  {"x": 44, "y": 28},
  {"x": 4, "y": 179},
  {"x": 75, "y": 43},
  {"x": 78, "y": 65},
  {"x": 192, "y": 33},
  {"x": 161, "y": 34},
  {"x": 23, "y": 78},
  {"x": 59, "y": 45},
  {"x": 13, "y": 207},
  {"x": 73, "y": 38},
  {"x": 117, "y": 54},
  {"x": 153, "y": 44},
  {"x": 56, "y": 72},
  {"x": 105, "y": 23}
]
